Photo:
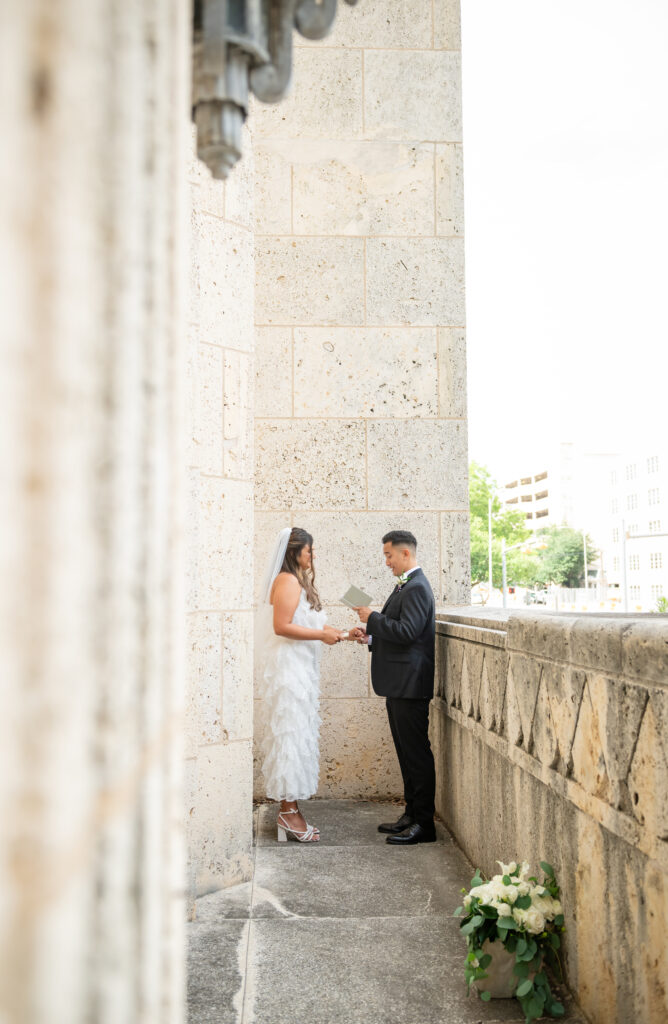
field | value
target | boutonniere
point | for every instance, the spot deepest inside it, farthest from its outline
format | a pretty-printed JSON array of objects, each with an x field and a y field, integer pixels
[{"x": 403, "y": 579}]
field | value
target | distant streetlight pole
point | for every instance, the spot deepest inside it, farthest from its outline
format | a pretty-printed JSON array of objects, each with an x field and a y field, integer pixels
[
  {"x": 584, "y": 548},
  {"x": 489, "y": 524}
]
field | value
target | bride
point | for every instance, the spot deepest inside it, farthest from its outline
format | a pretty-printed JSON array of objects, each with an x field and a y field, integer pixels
[{"x": 290, "y": 628}]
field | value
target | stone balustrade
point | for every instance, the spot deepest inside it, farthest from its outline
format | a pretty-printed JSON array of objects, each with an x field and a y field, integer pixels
[{"x": 551, "y": 738}]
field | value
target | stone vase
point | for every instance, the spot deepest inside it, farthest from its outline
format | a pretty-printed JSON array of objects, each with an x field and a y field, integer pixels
[{"x": 500, "y": 980}]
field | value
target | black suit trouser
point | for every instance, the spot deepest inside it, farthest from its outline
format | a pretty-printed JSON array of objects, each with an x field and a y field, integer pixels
[{"x": 409, "y": 723}]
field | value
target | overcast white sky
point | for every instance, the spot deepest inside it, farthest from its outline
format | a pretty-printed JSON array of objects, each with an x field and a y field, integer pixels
[{"x": 566, "y": 183}]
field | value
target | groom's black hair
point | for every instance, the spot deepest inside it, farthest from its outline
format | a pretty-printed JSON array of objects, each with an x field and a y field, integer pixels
[{"x": 400, "y": 538}]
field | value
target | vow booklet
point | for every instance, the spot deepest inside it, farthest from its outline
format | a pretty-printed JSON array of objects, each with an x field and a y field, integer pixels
[{"x": 356, "y": 598}]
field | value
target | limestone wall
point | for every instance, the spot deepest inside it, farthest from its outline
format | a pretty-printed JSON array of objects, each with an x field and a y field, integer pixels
[
  {"x": 551, "y": 740},
  {"x": 219, "y": 722},
  {"x": 360, "y": 407},
  {"x": 92, "y": 269}
]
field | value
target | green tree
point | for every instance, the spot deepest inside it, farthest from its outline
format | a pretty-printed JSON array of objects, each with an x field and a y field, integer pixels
[
  {"x": 562, "y": 561},
  {"x": 508, "y": 525}
]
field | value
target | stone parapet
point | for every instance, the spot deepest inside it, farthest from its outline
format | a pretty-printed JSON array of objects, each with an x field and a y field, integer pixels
[{"x": 550, "y": 733}]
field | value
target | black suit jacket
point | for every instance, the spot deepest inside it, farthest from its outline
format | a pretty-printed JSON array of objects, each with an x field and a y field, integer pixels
[{"x": 402, "y": 644}]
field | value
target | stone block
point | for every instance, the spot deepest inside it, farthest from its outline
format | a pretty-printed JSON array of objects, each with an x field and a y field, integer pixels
[
  {"x": 648, "y": 775},
  {"x": 273, "y": 372},
  {"x": 470, "y": 691},
  {"x": 225, "y": 270},
  {"x": 449, "y": 189},
  {"x": 363, "y": 188},
  {"x": 204, "y": 681},
  {"x": 452, "y": 372},
  {"x": 597, "y": 643},
  {"x": 222, "y": 827},
  {"x": 454, "y": 662},
  {"x": 447, "y": 25},
  {"x": 589, "y": 767},
  {"x": 348, "y": 550},
  {"x": 207, "y": 194},
  {"x": 208, "y": 410},
  {"x": 417, "y": 464},
  {"x": 366, "y": 371},
  {"x": 299, "y": 464},
  {"x": 645, "y": 650},
  {"x": 238, "y": 415},
  {"x": 325, "y": 100},
  {"x": 357, "y": 755},
  {"x": 225, "y": 547},
  {"x": 563, "y": 685},
  {"x": 391, "y": 23},
  {"x": 237, "y": 660},
  {"x": 455, "y": 580},
  {"x": 267, "y": 526},
  {"x": 545, "y": 743},
  {"x": 344, "y": 669},
  {"x": 273, "y": 187},
  {"x": 239, "y": 187},
  {"x": 415, "y": 281},
  {"x": 309, "y": 281},
  {"x": 493, "y": 688},
  {"x": 412, "y": 95},
  {"x": 546, "y": 636},
  {"x": 520, "y": 704},
  {"x": 620, "y": 707}
]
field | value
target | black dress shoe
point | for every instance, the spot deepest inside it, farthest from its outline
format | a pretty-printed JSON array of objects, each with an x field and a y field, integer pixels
[
  {"x": 396, "y": 826},
  {"x": 415, "y": 834}
]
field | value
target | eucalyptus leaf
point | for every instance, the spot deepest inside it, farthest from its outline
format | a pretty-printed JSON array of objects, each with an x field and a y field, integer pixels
[
  {"x": 547, "y": 868},
  {"x": 457, "y": 911},
  {"x": 524, "y": 987},
  {"x": 485, "y": 961},
  {"x": 486, "y": 996},
  {"x": 523, "y": 902},
  {"x": 506, "y": 879}
]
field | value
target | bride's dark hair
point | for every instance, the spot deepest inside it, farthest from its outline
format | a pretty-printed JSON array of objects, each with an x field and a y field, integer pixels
[{"x": 299, "y": 539}]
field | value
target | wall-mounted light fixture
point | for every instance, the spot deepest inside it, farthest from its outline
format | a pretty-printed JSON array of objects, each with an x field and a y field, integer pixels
[{"x": 243, "y": 47}]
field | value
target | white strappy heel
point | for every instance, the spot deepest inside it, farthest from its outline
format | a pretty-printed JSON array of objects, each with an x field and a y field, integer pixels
[{"x": 284, "y": 831}]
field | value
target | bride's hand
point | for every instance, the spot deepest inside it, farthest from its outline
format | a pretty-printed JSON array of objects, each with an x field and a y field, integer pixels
[
  {"x": 356, "y": 633},
  {"x": 330, "y": 635}
]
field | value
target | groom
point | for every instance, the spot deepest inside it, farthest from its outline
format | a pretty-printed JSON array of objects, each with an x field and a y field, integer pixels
[{"x": 401, "y": 641}]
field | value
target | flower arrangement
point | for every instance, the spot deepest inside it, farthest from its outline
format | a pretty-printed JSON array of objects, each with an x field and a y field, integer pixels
[{"x": 524, "y": 917}]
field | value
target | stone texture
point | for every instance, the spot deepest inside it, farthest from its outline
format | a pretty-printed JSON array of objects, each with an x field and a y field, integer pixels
[
  {"x": 347, "y": 823},
  {"x": 298, "y": 464},
  {"x": 447, "y": 25},
  {"x": 309, "y": 281},
  {"x": 412, "y": 95},
  {"x": 648, "y": 776},
  {"x": 273, "y": 372},
  {"x": 237, "y": 716},
  {"x": 417, "y": 464},
  {"x": 645, "y": 649},
  {"x": 364, "y": 188},
  {"x": 455, "y": 559},
  {"x": 449, "y": 189},
  {"x": 386, "y": 23},
  {"x": 238, "y": 416},
  {"x": 222, "y": 818},
  {"x": 325, "y": 100},
  {"x": 268, "y": 525},
  {"x": 208, "y": 407},
  {"x": 239, "y": 187},
  {"x": 224, "y": 555},
  {"x": 415, "y": 281},
  {"x": 348, "y": 550},
  {"x": 225, "y": 258},
  {"x": 204, "y": 693},
  {"x": 452, "y": 372},
  {"x": 273, "y": 188},
  {"x": 344, "y": 670},
  {"x": 216, "y": 954},
  {"x": 365, "y": 372}
]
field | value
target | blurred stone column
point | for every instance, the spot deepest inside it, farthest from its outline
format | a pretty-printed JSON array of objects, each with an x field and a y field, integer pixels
[{"x": 93, "y": 116}]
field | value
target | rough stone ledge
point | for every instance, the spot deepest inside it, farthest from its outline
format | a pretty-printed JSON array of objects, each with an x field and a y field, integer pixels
[
  {"x": 473, "y": 634},
  {"x": 611, "y": 819}
]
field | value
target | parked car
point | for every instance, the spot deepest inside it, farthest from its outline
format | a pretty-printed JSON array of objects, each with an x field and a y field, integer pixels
[{"x": 535, "y": 597}]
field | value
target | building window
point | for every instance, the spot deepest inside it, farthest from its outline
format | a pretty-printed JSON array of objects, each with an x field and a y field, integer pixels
[
  {"x": 510, "y": 486},
  {"x": 615, "y": 565},
  {"x": 657, "y": 591},
  {"x": 526, "y": 497},
  {"x": 656, "y": 560},
  {"x": 634, "y": 561},
  {"x": 653, "y": 464},
  {"x": 632, "y": 530},
  {"x": 540, "y": 495},
  {"x": 529, "y": 515},
  {"x": 542, "y": 512},
  {"x": 525, "y": 480},
  {"x": 512, "y": 501},
  {"x": 540, "y": 476},
  {"x": 655, "y": 526},
  {"x": 631, "y": 501},
  {"x": 631, "y": 472},
  {"x": 653, "y": 496},
  {"x": 614, "y": 506},
  {"x": 615, "y": 535}
]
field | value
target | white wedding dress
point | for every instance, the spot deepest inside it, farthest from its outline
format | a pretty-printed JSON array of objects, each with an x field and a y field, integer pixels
[{"x": 290, "y": 683}]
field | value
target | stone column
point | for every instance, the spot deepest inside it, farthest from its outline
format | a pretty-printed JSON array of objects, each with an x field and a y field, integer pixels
[
  {"x": 361, "y": 397},
  {"x": 93, "y": 119},
  {"x": 219, "y": 725}
]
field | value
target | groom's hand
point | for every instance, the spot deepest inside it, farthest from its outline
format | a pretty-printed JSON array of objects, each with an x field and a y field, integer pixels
[{"x": 363, "y": 613}]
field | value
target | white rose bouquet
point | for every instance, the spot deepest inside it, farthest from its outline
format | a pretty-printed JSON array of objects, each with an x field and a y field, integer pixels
[{"x": 525, "y": 917}]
